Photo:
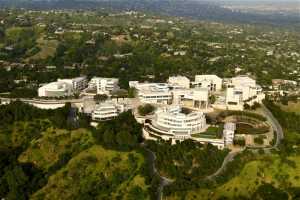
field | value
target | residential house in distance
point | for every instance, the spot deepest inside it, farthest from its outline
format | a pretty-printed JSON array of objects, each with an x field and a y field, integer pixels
[{"x": 277, "y": 83}]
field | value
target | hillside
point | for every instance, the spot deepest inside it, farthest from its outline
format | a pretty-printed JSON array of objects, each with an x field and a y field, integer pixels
[
  {"x": 97, "y": 173},
  {"x": 39, "y": 160}
]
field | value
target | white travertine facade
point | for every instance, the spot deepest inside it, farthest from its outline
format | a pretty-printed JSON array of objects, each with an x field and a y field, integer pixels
[
  {"x": 156, "y": 93},
  {"x": 212, "y": 82},
  {"x": 196, "y": 97},
  {"x": 163, "y": 93},
  {"x": 171, "y": 122},
  {"x": 62, "y": 87},
  {"x": 228, "y": 132},
  {"x": 243, "y": 89},
  {"x": 179, "y": 82},
  {"x": 78, "y": 83},
  {"x": 106, "y": 111},
  {"x": 55, "y": 89},
  {"x": 104, "y": 85}
]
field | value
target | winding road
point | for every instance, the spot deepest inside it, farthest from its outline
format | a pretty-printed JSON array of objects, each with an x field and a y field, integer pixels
[
  {"x": 164, "y": 181},
  {"x": 275, "y": 125},
  {"x": 230, "y": 156}
]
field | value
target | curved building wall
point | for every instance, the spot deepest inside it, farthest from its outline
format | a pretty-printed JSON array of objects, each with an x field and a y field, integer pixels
[
  {"x": 178, "y": 123},
  {"x": 55, "y": 93}
]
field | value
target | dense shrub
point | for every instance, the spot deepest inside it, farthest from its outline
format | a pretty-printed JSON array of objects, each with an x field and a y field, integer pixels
[
  {"x": 242, "y": 114},
  {"x": 121, "y": 133},
  {"x": 289, "y": 120},
  {"x": 187, "y": 162},
  {"x": 145, "y": 109},
  {"x": 239, "y": 141}
]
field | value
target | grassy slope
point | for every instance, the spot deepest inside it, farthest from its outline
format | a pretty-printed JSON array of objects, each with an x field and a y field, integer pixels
[
  {"x": 19, "y": 133},
  {"x": 87, "y": 168},
  {"x": 88, "y": 165},
  {"x": 46, "y": 150},
  {"x": 48, "y": 48},
  {"x": 291, "y": 107}
]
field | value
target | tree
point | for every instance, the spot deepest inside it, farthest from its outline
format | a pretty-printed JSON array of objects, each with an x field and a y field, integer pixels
[
  {"x": 131, "y": 92},
  {"x": 212, "y": 99},
  {"x": 2, "y": 34},
  {"x": 125, "y": 140},
  {"x": 100, "y": 97},
  {"x": 239, "y": 141},
  {"x": 247, "y": 106},
  {"x": 121, "y": 93},
  {"x": 255, "y": 106},
  {"x": 259, "y": 140},
  {"x": 136, "y": 193},
  {"x": 269, "y": 192},
  {"x": 109, "y": 138},
  {"x": 146, "y": 109}
]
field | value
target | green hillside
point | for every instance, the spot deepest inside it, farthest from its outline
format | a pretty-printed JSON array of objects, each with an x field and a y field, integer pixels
[
  {"x": 55, "y": 145},
  {"x": 97, "y": 173}
]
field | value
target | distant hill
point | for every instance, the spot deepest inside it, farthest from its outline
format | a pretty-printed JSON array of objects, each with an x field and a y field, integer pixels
[{"x": 197, "y": 9}]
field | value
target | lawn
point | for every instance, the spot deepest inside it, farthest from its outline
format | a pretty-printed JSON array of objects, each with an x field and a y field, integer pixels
[
  {"x": 211, "y": 132},
  {"x": 98, "y": 173}
]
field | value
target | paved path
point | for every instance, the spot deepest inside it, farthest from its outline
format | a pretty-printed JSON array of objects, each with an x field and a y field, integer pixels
[
  {"x": 275, "y": 125},
  {"x": 230, "y": 156},
  {"x": 164, "y": 181}
]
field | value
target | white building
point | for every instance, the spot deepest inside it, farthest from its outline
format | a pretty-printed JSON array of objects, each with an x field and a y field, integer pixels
[
  {"x": 193, "y": 98},
  {"x": 179, "y": 82},
  {"x": 55, "y": 89},
  {"x": 228, "y": 133},
  {"x": 163, "y": 93},
  {"x": 243, "y": 89},
  {"x": 63, "y": 87},
  {"x": 78, "y": 83},
  {"x": 242, "y": 81},
  {"x": 156, "y": 93},
  {"x": 212, "y": 82},
  {"x": 133, "y": 84},
  {"x": 107, "y": 111},
  {"x": 172, "y": 123},
  {"x": 104, "y": 85}
]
